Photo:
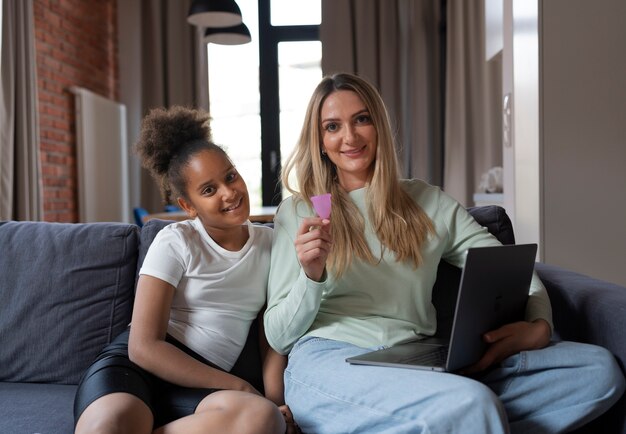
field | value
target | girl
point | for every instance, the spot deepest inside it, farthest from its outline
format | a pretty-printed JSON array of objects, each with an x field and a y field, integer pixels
[{"x": 201, "y": 286}]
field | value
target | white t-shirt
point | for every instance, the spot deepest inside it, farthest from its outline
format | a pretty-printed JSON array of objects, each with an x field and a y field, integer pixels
[{"x": 218, "y": 292}]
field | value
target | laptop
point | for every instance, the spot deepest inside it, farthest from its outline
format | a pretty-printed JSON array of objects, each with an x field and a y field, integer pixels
[{"x": 493, "y": 291}]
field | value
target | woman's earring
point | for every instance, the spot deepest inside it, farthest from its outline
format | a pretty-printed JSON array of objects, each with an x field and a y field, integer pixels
[{"x": 323, "y": 152}]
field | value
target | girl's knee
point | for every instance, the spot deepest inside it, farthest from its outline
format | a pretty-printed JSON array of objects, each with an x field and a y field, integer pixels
[
  {"x": 270, "y": 418},
  {"x": 248, "y": 413},
  {"x": 115, "y": 414}
]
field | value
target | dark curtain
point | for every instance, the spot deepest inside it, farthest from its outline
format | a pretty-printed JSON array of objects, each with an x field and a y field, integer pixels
[
  {"x": 427, "y": 58},
  {"x": 174, "y": 70},
  {"x": 20, "y": 168},
  {"x": 395, "y": 44}
]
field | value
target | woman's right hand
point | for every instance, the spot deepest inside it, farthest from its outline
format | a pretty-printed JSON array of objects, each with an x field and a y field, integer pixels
[{"x": 313, "y": 243}]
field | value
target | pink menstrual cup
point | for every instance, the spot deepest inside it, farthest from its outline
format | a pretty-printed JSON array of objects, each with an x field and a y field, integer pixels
[{"x": 321, "y": 204}]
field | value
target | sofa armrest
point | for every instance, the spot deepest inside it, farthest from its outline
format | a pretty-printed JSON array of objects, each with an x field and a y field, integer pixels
[
  {"x": 592, "y": 311},
  {"x": 587, "y": 309}
]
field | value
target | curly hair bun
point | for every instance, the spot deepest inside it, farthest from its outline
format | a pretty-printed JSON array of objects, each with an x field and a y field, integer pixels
[{"x": 165, "y": 131}]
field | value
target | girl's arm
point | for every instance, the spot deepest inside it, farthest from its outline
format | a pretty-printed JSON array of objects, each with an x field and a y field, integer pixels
[
  {"x": 274, "y": 365},
  {"x": 147, "y": 346}
]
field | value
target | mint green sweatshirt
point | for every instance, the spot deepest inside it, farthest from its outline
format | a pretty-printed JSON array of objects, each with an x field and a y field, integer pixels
[{"x": 373, "y": 305}]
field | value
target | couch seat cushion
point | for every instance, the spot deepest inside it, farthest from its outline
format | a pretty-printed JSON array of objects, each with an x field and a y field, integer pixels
[{"x": 36, "y": 408}]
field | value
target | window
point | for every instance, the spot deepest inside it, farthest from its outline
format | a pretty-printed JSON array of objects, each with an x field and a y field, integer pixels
[
  {"x": 299, "y": 72},
  {"x": 258, "y": 91},
  {"x": 234, "y": 101},
  {"x": 295, "y": 12}
]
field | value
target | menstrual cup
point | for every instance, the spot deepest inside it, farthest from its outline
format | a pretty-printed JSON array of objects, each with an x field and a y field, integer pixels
[{"x": 321, "y": 204}]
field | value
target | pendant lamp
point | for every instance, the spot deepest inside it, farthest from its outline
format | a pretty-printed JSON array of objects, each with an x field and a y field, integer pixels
[
  {"x": 214, "y": 13},
  {"x": 234, "y": 35}
]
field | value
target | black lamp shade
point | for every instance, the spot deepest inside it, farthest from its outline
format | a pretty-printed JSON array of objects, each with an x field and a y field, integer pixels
[
  {"x": 214, "y": 13},
  {"x": 235, "y": 35}
]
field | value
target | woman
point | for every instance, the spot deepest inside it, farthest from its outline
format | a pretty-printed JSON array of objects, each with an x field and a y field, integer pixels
[
  {"x": 363, "y": 279},
  {"x": 202, "y": 284}
]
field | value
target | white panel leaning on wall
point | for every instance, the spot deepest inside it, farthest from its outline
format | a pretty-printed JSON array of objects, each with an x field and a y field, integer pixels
[{"x": 102, "y": 158}]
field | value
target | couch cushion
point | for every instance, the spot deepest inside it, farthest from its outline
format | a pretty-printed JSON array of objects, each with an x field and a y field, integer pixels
[
  {"x": 36, "y": 408},
  {"x": 66, "y": 291},
  {"x": 148, "y": 232},
  {"x": 493, "y": 217},
  {"x": 496, "y": 220}
]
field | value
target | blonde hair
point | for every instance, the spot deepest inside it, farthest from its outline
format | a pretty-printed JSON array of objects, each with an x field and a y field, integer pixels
[{"x": 400, "y": 224}]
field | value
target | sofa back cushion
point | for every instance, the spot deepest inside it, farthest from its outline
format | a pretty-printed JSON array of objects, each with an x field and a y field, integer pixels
[
  {"x": 496, "y": 220},
  {"x": 66, "y": 291},
  {"x": 446, "y": 288},
  {"x": 492, "y": 217},
  {"x": 148, "y": 231}
]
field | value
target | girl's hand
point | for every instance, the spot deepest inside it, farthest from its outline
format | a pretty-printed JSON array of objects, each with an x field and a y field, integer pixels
[
  {"x": 511, "y": 339},
  {"x": 313, "y": 242},
  {"x": 292, "y": 426},
  {"x": 244, "y": 386}
]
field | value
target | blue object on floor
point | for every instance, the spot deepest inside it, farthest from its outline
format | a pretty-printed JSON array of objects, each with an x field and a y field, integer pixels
[
  {"x": 171, "y": 208},
  {"x": 139, "y": 213}
]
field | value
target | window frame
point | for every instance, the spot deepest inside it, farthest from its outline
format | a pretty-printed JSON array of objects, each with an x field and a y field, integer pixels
[{"x": 269, "y": 37}]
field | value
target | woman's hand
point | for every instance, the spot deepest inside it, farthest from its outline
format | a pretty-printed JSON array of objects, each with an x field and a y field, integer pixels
[
  {"x": 511, "y": 339},
  {"x": 313, "y": 243},
  {"x": 292, "y": 426}
]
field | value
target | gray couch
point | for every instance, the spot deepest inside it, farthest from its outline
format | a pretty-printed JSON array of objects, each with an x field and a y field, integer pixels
[{"x": 66, "y": 290}]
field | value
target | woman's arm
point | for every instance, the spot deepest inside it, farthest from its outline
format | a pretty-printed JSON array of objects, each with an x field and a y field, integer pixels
[
  {"x": 147, "y": 346},
  {"x": 533, "y": 333},
  {"x": 511, "y": 339},
  {"x": 293, "y": 297}
]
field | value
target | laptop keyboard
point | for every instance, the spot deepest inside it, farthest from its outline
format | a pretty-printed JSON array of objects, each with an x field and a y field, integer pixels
[{"x": 436, "y": 357}]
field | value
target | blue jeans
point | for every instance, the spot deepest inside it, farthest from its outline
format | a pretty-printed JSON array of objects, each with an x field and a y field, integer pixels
[{"x": 552, "y": 390}]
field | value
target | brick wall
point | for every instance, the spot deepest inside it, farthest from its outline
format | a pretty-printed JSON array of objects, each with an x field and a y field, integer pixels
[{"x": 76, "y": 45}]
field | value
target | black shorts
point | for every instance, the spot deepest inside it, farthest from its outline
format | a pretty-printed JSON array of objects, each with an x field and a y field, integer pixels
[{"x": 113, "y": 372}]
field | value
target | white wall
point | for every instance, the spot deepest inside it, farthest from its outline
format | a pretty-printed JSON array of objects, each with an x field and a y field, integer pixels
[
  {"x": 526, "y": 121},
  {"x": 584, "y": 135},
  {"x": 569, "y": 133}
]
